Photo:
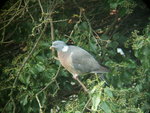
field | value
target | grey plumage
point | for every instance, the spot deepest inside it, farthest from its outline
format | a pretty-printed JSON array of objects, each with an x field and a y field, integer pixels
[
  {"x": 84, "y": 62},
  {"x": 77, "y": 61}
]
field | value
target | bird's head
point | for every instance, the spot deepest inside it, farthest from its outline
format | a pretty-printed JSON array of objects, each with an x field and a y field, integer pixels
[{"x": 59, "y": 46}]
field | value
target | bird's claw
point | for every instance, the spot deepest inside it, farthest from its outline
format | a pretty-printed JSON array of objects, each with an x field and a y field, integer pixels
[{"x": 75, "y": 76}]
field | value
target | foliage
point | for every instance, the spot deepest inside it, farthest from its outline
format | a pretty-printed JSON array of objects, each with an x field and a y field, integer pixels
[{"x": 32, "y": 80}]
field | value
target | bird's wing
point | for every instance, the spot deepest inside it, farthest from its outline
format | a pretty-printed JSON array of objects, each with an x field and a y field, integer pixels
[{"x": 82, "y": 61}]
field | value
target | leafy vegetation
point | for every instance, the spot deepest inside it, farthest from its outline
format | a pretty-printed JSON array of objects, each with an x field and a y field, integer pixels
[{"x": 116, "y": 32}]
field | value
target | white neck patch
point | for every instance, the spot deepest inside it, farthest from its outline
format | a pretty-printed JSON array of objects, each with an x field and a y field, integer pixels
[{"x": 65, "y": 48}]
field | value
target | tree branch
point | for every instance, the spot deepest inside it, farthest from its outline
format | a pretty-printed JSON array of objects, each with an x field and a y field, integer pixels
[
  {"x": 52, "y": 80},
  {"x": 23, "y": 64}
]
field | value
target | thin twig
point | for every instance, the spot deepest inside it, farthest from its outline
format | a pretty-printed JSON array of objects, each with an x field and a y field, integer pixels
[
  {"x": 112, "y": 25},
  {"x": 41, "y": 7},
  {"x": 40, "y": 111},
  {"x": 3, "y": 111},
  {"x": 24, "y": 62},
  {"x": 50, "y": 81},
  {"x": 119, "y": 24},
  {"x": 85, "y": 89},
  {"x": 79, "y": 21},
  {"x": 86, "y": 105},
  {"x": 52, "y": 28},
  {"x": 17, "y": 12},
  {"x": 53, "y": 79},
  {"x": 52, "y": 32},
  {"x": 56, "y": 89},
  {"x": 64, "y": 20}
]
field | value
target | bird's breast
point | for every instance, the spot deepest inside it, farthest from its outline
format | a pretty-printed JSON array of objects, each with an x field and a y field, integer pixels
[{"x": 66, "y": 61}]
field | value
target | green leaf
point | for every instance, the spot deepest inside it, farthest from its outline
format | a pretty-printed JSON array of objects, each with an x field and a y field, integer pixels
[
  {"x": 146, "y": 51},
  {"x": 40, "y": 67},
  {"x": 122, "y": 12},
  {"x": 108, "y": 92},
  {"x": 105, "y": 37},
  {"x": 24, "y": 100},
  {"x": 84, "y": 26},
  {"x": 113, "y": 5},
  {"x": 45, "y": 44},
  {"x": 93, "y": 47},
  {"x": 25, "y": 78},
  {"x": 138, "y": 88},
  {"x": 39, "y": 58},
  {"x": 77, "y": 112},
  {"x": 105, "y": 107},
  {"x": 113, "y": 44},
  {"x": 33, "y": 70},
  {"x": 95, "y": 101}
]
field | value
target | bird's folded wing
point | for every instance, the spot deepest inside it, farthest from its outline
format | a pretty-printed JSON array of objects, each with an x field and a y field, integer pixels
[{"x": 83, "y": 61}]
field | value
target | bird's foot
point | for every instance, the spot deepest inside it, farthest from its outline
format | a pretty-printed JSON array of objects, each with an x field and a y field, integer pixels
[{"x": 75, "y": 76}]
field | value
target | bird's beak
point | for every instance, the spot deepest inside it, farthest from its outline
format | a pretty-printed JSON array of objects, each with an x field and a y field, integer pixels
[{"x": 51, "y": 47}]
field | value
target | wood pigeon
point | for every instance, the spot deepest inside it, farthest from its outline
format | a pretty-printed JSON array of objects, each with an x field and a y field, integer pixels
[{"x": 77, "y": 61}]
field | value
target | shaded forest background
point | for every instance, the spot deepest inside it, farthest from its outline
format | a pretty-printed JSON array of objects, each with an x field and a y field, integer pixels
[{"x": 32, "y": 80}]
